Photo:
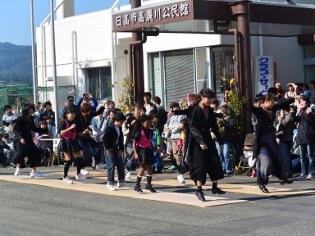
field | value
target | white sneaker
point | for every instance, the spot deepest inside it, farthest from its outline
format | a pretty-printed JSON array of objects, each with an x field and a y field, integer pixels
[
  {"x": 123, "y": 184},
  {"x": 84, "y": 171},
  {"x": 111, "y": 187},
  {"x": 17, "y": 171},
  {"x": 80, "y": 176},
  {"x": 310, "y": 177},
  {"x": 128, "y": 175},
  {"x": 100, "y": 166},
  {"x": 181, "y": 179},
  {"x": 36, "y": 174},
  {"x": 68, "y": 180}
]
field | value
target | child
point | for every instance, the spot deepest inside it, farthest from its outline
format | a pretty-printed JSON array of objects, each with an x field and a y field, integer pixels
[
  {"x": 156, "y": 142},
  {"x": 143, "y": 151},
  {"x": 129, "y": 155},
  {"x": 113, "y": 142},
  {"x": 180, "y": 149},
  {"x": 43, "y": 148},
  {"x": 69, "y": 144}
]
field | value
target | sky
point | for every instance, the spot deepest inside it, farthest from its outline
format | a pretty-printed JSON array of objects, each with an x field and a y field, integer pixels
[{"x": 15, "y": 16}]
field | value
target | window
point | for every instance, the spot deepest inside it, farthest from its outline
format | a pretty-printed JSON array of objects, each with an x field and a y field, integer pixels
[
  {"x": 222, "y": 68},
  {"x": 98, "y": 83}
]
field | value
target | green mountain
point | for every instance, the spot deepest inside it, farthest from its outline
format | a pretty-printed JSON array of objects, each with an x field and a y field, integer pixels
[{"x": 15, "y": 64}]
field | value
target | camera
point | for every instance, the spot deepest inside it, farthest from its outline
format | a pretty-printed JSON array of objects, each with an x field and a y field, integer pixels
[{"x": 293, "y": 106}]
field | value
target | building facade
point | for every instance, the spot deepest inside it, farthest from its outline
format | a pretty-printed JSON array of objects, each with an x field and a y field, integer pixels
[{"x": 91, "y": 57}]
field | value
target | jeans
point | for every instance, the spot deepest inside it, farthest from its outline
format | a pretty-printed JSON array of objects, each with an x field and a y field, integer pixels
[
  {"x": 225, "y": 157},
  {"x": 286, "y": 146},
  {"x": 111, "y": 162},
  {"x": 307, "y": 159}
]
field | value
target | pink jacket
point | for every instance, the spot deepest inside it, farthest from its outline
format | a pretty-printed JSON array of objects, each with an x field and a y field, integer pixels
[
  {"x": 144, "y": 142},
  {"x": 71, "y": 134}
]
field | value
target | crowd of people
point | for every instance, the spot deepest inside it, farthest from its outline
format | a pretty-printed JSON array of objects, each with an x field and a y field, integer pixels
[{"x": 197, "y": 138}]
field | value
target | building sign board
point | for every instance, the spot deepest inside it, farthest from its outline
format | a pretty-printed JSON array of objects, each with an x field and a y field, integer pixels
[
  {"x": 264, "y": 74},
  {"x": 144, "y": 17}
]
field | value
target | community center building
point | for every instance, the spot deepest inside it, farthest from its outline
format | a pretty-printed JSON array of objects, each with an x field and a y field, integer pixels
[{"x": 185, "y": 57}]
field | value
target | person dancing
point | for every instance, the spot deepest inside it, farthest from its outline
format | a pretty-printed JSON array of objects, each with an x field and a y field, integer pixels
[
  {"x": 270, "y": 159},
  {"x": 24, "y": 144}
]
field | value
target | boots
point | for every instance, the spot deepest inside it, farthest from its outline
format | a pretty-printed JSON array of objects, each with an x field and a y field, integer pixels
[
  {"x": 148, "y": 186},
  {"x": 138, "y": 186}
]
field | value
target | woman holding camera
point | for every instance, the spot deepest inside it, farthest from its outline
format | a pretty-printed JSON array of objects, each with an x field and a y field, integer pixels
[
  {"x": 268, "y": 154},
  {"x": 88, "y": 98},
  {"x": 305, "y": 137}
]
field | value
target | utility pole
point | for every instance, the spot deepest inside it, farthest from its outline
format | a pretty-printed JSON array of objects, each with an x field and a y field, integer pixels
[
  {"x": 241, "y": 9},
  {"x": 137, "y": 59}
]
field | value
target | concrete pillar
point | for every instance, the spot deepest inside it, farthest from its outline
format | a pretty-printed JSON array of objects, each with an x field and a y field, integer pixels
[{"x": 65, "y": 10}]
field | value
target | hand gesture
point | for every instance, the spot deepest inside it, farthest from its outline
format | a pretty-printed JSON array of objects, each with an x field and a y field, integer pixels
[
  {"x": 73, "y": 126},
  {"x": 136, "y": 156},
  {"x": 22, "y": 141},
  {"x": 108, "y": 153},
  {"x": 170, "y": 114},
  {"x": 86, "y": 131},
  {"x": 203, "y": 146}
]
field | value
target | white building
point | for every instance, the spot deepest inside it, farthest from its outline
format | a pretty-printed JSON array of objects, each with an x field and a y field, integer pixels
[{"x": 89, "y": 56}]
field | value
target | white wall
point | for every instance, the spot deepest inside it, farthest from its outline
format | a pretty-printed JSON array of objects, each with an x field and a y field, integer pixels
[
  {"x": 287, "y": 54},
  {"x": 93, "y": 46}
]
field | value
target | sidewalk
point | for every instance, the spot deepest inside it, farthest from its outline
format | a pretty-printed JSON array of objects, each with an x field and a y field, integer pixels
[{"x": 240, "y": 189}]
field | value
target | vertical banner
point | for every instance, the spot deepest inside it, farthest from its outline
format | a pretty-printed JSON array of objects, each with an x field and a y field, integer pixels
[{"x": 264, "y": 74}]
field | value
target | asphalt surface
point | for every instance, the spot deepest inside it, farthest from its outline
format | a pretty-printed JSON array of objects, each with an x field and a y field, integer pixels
[{"x": 37, "y": 210}]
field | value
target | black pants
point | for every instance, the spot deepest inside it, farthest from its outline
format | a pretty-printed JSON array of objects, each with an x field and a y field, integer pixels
[
  {"x": 90, "y": 149},
  {"x": 26, "y": 150}
]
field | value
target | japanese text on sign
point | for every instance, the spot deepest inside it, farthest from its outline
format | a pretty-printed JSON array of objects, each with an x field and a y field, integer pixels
[
  {"x": 264, "y": 74},
  {"x": 150, "y": 15}
]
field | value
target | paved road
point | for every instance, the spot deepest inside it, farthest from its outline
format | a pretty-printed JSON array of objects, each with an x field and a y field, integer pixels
[{"x": 37, "y": 210}]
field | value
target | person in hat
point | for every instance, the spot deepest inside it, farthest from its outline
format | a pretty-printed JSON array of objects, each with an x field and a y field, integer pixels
[
  {"x": 88, "y": 98},
  {"x": 174, "y": 131},
  {"x": 114, "y": 146},
  {"x": 8, "y": 120},
  {"x": 70, "y": 101},
  {"x": 143, "y": 151},
  {"x": 307, "y": 93}
]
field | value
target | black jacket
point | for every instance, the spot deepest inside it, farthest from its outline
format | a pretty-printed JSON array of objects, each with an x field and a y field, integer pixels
[
  {"x": 306, "y": 125},
  {"x": 85, "y": 123},
  {"x": 111, "y": 137},
  {"x": 23, "y": 128}
]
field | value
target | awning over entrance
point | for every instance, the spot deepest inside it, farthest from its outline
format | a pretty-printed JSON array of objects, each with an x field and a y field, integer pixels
[{"x": 214, "y": 16}]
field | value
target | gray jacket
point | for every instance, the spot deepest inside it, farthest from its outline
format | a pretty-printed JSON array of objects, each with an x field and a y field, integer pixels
[{"x": 174, "y": 126}]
